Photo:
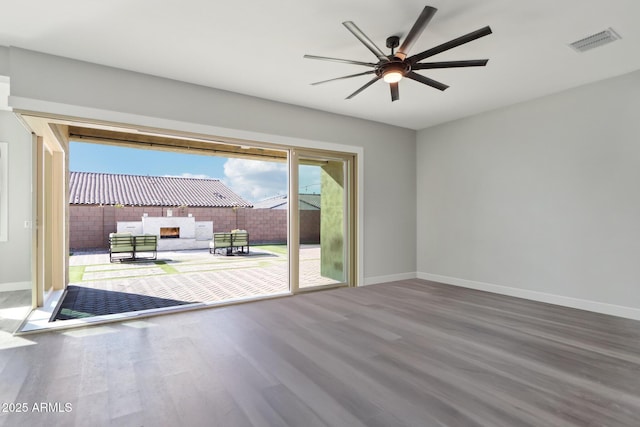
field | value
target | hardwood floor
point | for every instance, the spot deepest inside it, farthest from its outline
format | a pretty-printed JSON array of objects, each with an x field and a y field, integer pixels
[{"x": 410, "y": 353}]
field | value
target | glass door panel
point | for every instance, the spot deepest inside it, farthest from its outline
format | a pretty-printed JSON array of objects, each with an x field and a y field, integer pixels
[{"x": 322, "y": 215}]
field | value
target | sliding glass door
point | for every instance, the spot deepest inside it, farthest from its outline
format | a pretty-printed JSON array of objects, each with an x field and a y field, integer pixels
[
  {"x": 315, "y": 216},
  {"x": 323, "y": 215}
]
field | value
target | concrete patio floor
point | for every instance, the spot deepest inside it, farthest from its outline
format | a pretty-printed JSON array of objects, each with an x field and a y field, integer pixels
[{"x": 192, "y": 276}]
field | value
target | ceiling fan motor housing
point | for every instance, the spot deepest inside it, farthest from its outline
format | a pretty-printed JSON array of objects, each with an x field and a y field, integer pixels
[{"x": 393, "y": 65}]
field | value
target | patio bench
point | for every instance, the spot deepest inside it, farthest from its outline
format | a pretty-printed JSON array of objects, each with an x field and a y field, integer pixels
[
  {"x": 238, "y": 240},
  {"x": 147, "y": 243},
  {"x": 220, "y": 241},
  {"x": 127, "y": 247}
]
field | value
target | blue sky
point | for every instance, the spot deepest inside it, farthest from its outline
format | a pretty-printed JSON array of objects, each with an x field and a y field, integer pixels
[{"x": 253, "y": 180}]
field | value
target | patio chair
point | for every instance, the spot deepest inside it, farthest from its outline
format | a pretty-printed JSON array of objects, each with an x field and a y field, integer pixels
[
  {"x": 121, "y": 247},
  {"x": 240, "y": 240},
  {"x": 147, "y": 243},
  {"x": 220, "y": 241}
]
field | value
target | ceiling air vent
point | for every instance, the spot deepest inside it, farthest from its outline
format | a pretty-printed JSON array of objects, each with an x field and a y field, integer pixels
[{"x": 595, "y": 40}]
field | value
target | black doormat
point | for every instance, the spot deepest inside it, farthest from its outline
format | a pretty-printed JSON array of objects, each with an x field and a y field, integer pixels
[{"x": 80, "y": 302}]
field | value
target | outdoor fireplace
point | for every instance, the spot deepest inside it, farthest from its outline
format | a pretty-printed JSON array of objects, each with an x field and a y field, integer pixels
[
  {"x": 169, "y": 232},
  {"x": 176, "y": 233}
]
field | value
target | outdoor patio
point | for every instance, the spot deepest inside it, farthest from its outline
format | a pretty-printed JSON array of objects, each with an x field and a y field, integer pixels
[{"x": 98, "y": 287}]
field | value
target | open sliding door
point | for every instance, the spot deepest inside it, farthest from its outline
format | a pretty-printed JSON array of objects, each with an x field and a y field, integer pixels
[
  {"x": 49, "y": 201},
  {"x": 321, "y": 203},
  {"x": 322, "y": 214}
]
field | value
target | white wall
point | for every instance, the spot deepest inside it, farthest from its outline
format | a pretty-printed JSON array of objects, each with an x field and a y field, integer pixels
[
  {"x": 541, "y": 199},
  {"x": 52, "y": 84},
  {"x": 15, "y": 253}
]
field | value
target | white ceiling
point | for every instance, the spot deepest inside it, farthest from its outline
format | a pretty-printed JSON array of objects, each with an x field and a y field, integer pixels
[{"x": 256, "y": 47}]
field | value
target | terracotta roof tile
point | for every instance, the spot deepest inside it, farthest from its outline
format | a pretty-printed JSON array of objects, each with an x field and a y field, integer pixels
[{"x": 88, "y": 188}]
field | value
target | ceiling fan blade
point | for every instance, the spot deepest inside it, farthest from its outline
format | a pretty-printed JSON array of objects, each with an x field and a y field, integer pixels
[
  {"x": 344, "y": 77},
  {"x": 450, "y": 64},
  {"x": 451, "y": 44},
  {"x": 344, "y": 61},
  {"x": 395, "y": 92},
  {"x": 416, "y": 30},
  {"x": 426, "y": 80},
  {"x": 365, "y": 40},
  {"x": 366, "y": 85}
]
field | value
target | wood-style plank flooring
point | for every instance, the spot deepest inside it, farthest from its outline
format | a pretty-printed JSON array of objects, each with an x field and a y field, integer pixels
[{"x": 410, "y": 353}]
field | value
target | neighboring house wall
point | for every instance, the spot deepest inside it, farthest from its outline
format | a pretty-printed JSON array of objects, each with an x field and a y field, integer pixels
[
  {"x": 540, "y": 198},
  {"x": 15, "y": 252},
  {"x": 52, "y": 84},
  {"x": 89, "y": 226}
]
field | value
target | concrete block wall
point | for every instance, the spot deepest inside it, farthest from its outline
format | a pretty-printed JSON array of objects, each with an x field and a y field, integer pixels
[
  {"x": 309, "y": 227},
  {"x": 89, "y": 226}
]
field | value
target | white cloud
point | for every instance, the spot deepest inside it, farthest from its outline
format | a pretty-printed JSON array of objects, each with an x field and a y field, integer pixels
[
  {"x": 191, "y": 175},
  {"x": 255, "y": 180}
]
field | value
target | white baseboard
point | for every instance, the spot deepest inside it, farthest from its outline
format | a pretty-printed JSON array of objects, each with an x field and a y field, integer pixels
[
  {"x": 582, "y": 304},
  {"x": 389, "y": 278},
  {"x": 15, "y": 286}
]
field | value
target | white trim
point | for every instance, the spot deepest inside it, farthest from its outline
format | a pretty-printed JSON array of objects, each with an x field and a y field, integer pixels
[
  {"x": 15, "y": 286},
  {"x": 582, "y": 304},
  {"x": 390, "y": 278}
]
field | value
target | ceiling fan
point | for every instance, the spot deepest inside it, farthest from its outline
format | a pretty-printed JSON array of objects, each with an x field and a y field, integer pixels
[{"x": 392, "y": 68}]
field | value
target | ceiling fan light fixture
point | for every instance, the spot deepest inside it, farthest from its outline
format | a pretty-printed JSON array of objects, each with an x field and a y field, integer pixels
[
  {"x": 392, "y": 76},
  {"x": 393, "y": 71}
]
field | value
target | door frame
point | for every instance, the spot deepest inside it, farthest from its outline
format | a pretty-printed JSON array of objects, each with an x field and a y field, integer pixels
[
  {"x": 351, "y": 218},
  {"x": 51, "y": 127}
]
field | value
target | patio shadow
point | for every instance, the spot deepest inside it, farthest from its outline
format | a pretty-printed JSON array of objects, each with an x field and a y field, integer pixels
[{"x": 81, "y": 302}]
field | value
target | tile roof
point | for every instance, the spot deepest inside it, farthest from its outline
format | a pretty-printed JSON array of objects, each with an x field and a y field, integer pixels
[
  {"x": 307, "y": 201},
  {"x": 88, "y": 188},
  {"x": 276, "y": 202},
  {"x": 310, "y": 199}
]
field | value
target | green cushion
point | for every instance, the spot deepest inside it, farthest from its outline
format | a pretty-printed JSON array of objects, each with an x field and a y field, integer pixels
[
  {"x": 240, "y": 239},
  {"x": 121, "y": 248},
  {"x": 147, "y": 241},
  {"x": 222, "y": 239}
]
